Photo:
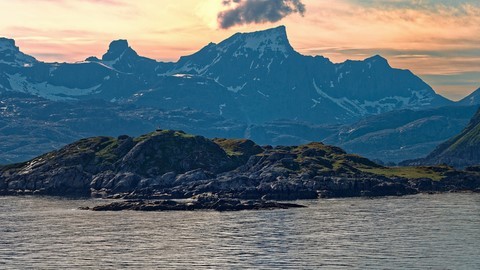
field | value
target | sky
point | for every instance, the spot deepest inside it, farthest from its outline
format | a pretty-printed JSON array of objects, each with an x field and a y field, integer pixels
[{"x": 437, "y": 40}]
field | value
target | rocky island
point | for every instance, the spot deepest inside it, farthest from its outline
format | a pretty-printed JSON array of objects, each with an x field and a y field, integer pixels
[
  {"x": 202, "y": 202},
  {"x": 166, "y": 165}
]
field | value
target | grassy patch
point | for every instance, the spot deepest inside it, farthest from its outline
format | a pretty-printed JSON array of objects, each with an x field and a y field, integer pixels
[
  {"x": 230, "y": 146},
  {"x": 107, "y": 150},
  {"x": 238, "y": 147},
  {"x": 471, "y": 138},
  {"x": 163, "y": 132},
  {"x": 407, "y": 172},
  {"x": 183, "y": 134}
]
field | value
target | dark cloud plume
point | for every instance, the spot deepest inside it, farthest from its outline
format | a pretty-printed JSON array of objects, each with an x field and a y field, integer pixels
[{"x": 257, "y": 11}]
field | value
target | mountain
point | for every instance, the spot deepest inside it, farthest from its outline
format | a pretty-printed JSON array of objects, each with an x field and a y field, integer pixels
[
  {"x": 10, "y": 55},
  {"x": 264, "y": 69},
  {"x": 30, "y": 125},
  {"x": 174, "y": 164},
  {"x": 251, "y": 85},
  {"x": 460, "y": 151},
  {"x": 253, "y": 77},
  {"x": 472, "y": 99},
  {"x": 122, "y": 57},
  {"x": 399, "y": 135}
]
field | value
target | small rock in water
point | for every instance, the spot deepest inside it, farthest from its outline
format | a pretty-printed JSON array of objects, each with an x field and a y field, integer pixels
[{"x": 202, "y": 203}]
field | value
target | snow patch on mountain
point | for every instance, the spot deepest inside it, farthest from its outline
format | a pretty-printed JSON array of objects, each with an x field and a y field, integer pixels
[
  {"x": 271, "y": 40},
  {"x": 48, "y": 91},
  {"x": 315, "y": 103},
  {"x": 263, "y": 94},
  {"x": 366, "y": 107},
  {"x": 341, "y": 102},
  {"x": 182, "y": 75},
  {"x": 221, "y": 107},
  {"x": 236, "y": 88}
]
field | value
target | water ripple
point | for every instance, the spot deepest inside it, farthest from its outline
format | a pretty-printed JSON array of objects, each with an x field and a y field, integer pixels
[{"x": 413, "y": 232}]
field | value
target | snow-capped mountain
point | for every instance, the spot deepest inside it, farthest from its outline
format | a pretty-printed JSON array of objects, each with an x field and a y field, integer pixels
[
  {"x": 255, "y": 77},
  {"x": 272, "y": 80},
  {"x": 237, "y": 60}
]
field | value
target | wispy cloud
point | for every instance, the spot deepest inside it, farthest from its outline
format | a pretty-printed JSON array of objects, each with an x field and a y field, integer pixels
[
  {"x": 102, "y": 2},
  {"x": 64, "y": 33}
]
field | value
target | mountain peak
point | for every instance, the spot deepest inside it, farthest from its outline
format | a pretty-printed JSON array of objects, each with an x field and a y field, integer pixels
[
  {"x": 116, "y": 49},
  {"x": 120, "y": 44},
  {"x": 275, "y": 31},
  {"x": 377, "y": 60},
  {"x": 10, "y": 53},
  {"x": 277, "y": 35},
  {"x": 376, "y": 57},
  {"x": 472, "y": 99},
  {"x": 7, "y": 44},
  {"x": 273, "y": 39}
]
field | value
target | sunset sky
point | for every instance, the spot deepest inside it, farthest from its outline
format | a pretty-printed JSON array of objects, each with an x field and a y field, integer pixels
[{"x": 437, "y": 40}]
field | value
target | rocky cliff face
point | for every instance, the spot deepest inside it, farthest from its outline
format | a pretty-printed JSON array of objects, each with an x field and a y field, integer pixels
[{"x": 174, "y": 164}]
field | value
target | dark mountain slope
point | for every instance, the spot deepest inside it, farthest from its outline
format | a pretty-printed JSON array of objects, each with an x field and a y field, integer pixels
[
  {"x": 30, "y": 126},
  {"x": 472, "y": 99},
  {"x": 460, "y": 151},
  {"x": 398, "y": 135}
]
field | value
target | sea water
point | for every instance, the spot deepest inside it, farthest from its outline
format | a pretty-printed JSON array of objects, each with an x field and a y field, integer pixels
[{"x": 439, "y": 231}]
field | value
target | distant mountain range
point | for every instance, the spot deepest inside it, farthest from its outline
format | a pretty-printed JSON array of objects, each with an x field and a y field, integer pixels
[
  {"x": 255, "y": 77},
  {"x": 30, "y": 125},
  {"x": 252, "y": 85},
  {"x": 462, "y": 150},
  {"x": 398, "y": 135}
]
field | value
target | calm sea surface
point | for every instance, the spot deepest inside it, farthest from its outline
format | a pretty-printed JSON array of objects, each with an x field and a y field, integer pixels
[{"x": 412, "y": 232}]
